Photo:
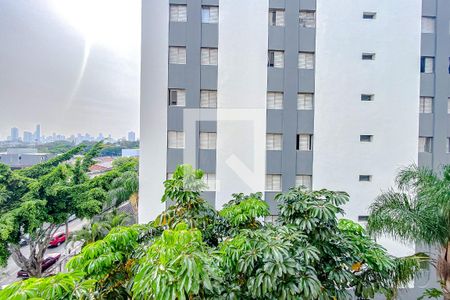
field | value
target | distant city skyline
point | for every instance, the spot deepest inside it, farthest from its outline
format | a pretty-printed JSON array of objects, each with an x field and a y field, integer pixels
[
  {"x": 72, "y": 66},
  {"x": 39, "y": 135}
]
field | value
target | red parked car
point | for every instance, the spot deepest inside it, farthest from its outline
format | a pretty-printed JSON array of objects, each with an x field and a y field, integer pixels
[
  {"x": 57, "y": 240},
  {"x": 47, "y": 263}
]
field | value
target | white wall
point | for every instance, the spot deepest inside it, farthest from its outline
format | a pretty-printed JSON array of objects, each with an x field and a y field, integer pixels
[
  {"x": 242, "y": 86},
  {"x": 154, "y": 82},
  {"x": 341, "y": 77}
]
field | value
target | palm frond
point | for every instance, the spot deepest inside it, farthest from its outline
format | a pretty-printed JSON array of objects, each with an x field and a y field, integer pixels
[{"x": 401, "y": 217}]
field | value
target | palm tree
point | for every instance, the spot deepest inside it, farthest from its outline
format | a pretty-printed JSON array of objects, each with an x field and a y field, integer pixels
[
  {"x": 124, "y": 188},
  {"x": 418, "y": 211},
  {"x": 95, "y": 231}
]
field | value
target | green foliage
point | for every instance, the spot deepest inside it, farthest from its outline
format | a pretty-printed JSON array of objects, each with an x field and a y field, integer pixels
[
  {"x": 178, "y": 265},
  {"x": 270, "y": 263},
  {"x": 193, "y": 252},
  {"x": 431, "y": 294},
  {"x": 98, "y": 229},
  {"x": 243, "y": 211},
  {"x": 93, "y": 152},
  {"x": 46, "y": 167},
  {"x": 111, "y": 262},
  {"x": 417, "y": 211},
  {"x": 62, "y": 286},
  {"x": 37, "y": 200}
]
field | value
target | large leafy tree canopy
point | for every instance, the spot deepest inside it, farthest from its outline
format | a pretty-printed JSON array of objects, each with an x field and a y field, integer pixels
[
  {"x": 192, "y": 251},
  {"x": 35, "y": 201}
]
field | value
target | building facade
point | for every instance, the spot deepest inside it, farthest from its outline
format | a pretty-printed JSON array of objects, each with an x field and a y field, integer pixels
[{"x": 264, "y": 95}]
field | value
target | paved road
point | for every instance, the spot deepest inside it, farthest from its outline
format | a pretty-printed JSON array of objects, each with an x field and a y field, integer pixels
[{"x": 9, "y": 274}]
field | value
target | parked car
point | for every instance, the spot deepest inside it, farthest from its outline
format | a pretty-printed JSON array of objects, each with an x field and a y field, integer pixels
[
  {"x": 47, "y": 263},
  {"x": 58, "y": 239}
]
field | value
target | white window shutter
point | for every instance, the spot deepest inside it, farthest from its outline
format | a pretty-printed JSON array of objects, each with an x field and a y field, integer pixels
[
  {"x": 204, "y": 99},
  {"x": 173, "y": 55},
  {"x": 279, "y": 18},
  {"x": 181, "y": 98},
  {"x": 309, "y": 61},
  {"x": 428, "y": 24},
  {"x": 278, "y": 101},
  {"x": 278, "y": 59},
  {"x": 171, "y": 139},
  {"x": 173, "y": 13},
  {"x": 213, "y": 14},
  {"x": 205, "y": 56},
  {"x": 182, "y": 13},
  {"x": 203, "y": 140},
  {"x": 429, "y": 65},
  {"x": 182, "y": 55},
  {"x": 213, "y": 60},
  {"x": 304, "y": 101},
  {"x": 276, "y": 182}
]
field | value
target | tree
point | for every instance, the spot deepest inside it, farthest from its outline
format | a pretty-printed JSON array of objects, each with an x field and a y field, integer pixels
[
  {"x": 126, "y": 186},
  {"x": 98, "y": 229},
  {"x": 178, "y": 265},
  {"x": 418, "y": 211},
  {"x": 41, "y": 198},
  {"x": 192, "y": 251}
]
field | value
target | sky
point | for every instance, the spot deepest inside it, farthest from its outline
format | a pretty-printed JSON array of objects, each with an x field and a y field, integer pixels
[{"x": 70, "y": 65}]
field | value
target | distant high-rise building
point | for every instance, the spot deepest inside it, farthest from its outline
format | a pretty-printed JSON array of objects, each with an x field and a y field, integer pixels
[
  {"x": 37, "y": 134},
  {"x": 131, "y": 136},
  {"x": 28, "y": 137},
  {"x": 14, "y": 134}
]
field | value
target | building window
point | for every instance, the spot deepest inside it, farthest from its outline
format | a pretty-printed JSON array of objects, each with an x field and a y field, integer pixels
[
  {"x": 175, "y": 139},
  {"x": 306, "y": 60},
  {"x": 208, "y": 99},
  {"x": 210, "y": 14},
  {"x": 274, "y": 141},
  {"x": 276, "y": 59},
  {"x": 367, "y": 97},
  {"x": 209, "y": 56},
  {"x": 274, "y": 100},
  {"x": 425, "y": 144},
  {"x": 208, "y": 140},
  {"x": 365, "y": 178},
  {"x": 276, "y": 17},
  {"x": 368, "y": 56},
  {"x": 428, "y": 24},
  {"x": 448, "y": 145},
  {"x": 426, "y": 105},
  {"x": 273, "y": 182},
  {"x": 304, "y": 142},
  {"x": 178, "y": 13},
  {"x": 177, "y": 55},
  {"x": 304, "y": 181},
  {"x": 369, "y": 15},
  {"x": 366, "y": 138},
  {"x": 210, "y": 180},
  {"x": 427, "y": 64},
  {"x": 177, "y": 97},
  {"x": 305, "y": 101},
  {"x": 307, "y": 19}
]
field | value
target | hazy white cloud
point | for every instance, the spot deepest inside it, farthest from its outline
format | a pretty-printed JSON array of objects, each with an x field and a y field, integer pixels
[{"x": 70, "y": 65}]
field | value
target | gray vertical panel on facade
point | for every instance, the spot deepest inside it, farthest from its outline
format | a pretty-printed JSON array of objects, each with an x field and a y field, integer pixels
[
  {"x": 441, "y": 84},
  {"x": 154, "y": 83},
  {"x": 193, "y": 77},
  {"x": 290, "y": 94}
]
